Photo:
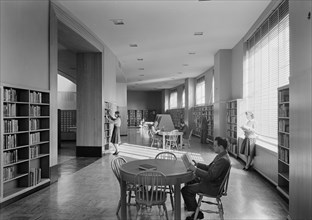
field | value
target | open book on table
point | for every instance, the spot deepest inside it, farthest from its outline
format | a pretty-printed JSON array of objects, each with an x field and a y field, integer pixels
[{"x": 186, "y": 160}]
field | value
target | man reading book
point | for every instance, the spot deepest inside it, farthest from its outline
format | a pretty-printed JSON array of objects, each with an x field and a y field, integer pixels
[{"x": 208, "y": 177}]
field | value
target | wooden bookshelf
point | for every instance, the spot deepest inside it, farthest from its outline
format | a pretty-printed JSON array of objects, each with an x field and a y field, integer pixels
[
  {"x": 198, "y": 113},
  {"x": 177, "y": 115},
  {"x": 108, "y": 108},
  {"x": 283, "y": 140},
  {"x": 235, "y": 116},
  {"x": 25, "y": 138},
  {"x": 135, "y": 116}
]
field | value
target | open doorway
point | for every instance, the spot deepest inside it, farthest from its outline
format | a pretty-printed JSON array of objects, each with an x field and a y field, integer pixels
[{"x": 70, "y": 44}]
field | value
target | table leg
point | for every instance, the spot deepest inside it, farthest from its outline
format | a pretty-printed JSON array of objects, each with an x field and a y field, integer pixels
[
  {"x": 164, "y": 141},
  {"x": 177, "y": 201},
  {"x": 123, "y": 191}
]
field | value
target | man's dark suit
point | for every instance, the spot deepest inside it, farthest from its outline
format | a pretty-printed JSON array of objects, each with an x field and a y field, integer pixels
[{"x": 208, "y": 181}]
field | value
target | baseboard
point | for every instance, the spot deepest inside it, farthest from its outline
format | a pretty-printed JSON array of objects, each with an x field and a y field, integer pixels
[{"x": 89, "y": 151}]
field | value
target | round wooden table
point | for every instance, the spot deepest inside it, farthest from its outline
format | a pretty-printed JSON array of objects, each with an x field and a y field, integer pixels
[{"x": 174, "y": 170}]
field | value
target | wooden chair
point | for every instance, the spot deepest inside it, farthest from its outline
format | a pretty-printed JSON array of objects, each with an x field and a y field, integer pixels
[
  {"x": 150, "y": 190},
  {"x": 188, "y": 140},
  {"x": 172, "y": 140},
  {"x": 168, "y": 156},
  {"x": 155, "y": 139},
  {"x": 116, "y": 163},
  {"x": 218, "y": 203}
]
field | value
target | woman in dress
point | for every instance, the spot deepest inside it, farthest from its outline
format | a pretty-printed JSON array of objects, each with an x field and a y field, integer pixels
[
  {"x": 249, "y": 143},
  {"x": 116, "y": 131}
]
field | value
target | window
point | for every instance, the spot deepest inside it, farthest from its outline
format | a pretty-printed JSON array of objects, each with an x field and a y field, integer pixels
[
  {"x": 183, "y": 99},
  {"x": 200, "y": 91},
  {"x": 173, "y": 99},
  {"x": 266, "y": 67}
]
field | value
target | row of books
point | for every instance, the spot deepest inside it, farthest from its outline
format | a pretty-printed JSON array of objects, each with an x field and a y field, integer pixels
[
  {"x": 9, "y": 141},
  {"x": 35, "y": 110},
  {"x": 232, "y": 147},
  {"x": 9, "y": 172},
  {"x": 34, "y": 138},
  {"x": 34, "y": 124},
  {"x": 34, "y": 176},
  {"x": 232, "y": 134},
  {"x": 283, "y": 155},
  {"x": 232, "y": 127},
  {"x": 231, "y": 119},
  {"x": 34, "y": 151},
  {"x": 283, "y": 110},
  {"x": 283, "y": 125},
  {"x": 231, "y": 112},
  {"x": 35, "y": 97},
  {"x": 10, "y": 126},
  {"x": 9, "y": 95},
  {"x": 10, "y": 157},
  {"x": 283, "y": 96},
  {"x": 283, "y": 140},
  {"x": 231, "y": 105},
  {"x": 9, "y": 110}
]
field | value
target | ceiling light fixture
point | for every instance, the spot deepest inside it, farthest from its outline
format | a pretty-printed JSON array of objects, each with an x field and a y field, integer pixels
[
  {"x": 191, "y": 53},
  {"x": 185, "y": 64},
  {"x": 133, "y": 45},
  {"x": 117, "y": 21},
  {"x": 141, "y": 68},
  {"x": 142, "y": 75},
  {"x": 198, "y": 33},
  {"x": 140, "y": 59}
]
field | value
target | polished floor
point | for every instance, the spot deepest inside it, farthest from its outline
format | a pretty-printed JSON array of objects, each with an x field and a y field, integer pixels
[{"x": 87, "y": 188}]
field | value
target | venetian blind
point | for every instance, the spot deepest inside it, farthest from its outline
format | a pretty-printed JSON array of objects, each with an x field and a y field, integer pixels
[
  {"x": 200, "y": 91},
  {"x": 266, "y": 69}
]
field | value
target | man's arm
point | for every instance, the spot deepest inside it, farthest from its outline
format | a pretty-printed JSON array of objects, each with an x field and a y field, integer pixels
[{"x": 214, "y": 171}]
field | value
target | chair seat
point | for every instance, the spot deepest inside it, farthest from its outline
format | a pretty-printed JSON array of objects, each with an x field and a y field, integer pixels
[{"x": 154, "y": 198}]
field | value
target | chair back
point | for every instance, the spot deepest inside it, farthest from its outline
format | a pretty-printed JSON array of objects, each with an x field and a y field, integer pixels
[
  {"x": 116, "y": 163},
  {"x": 149, "y": 188},
  {"x": 166, "y": 155},
  {"x": 190, "y": 135},
  {"x": 224, "y": 185},
  {"x": 173, "y": 136}
]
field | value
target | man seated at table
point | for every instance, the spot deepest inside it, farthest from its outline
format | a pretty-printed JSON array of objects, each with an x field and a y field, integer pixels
[
  {"x": 185, "y": 129},
  {"x": 208, "y": 177}
]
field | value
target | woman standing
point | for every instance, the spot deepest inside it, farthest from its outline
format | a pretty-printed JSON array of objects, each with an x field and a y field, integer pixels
[
  {"x": 249, "y": 143},
  {"x": 116, "y": 131}
]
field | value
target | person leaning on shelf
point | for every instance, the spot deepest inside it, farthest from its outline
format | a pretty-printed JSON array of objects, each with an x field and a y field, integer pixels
[
  {"x": 115, "y": 140},
  {"x": 208, "y": 178},
  {"x": 204, "y": 128},
  {"x": 249, "y": 143}
]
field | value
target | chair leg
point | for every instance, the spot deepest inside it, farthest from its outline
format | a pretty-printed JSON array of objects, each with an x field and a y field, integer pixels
[
  {"x": 220, "y": 207},
  {"x": 198, "y": 207},
  {"x": 171, "y": 197},
  {"x": 165, "y": 209},
  {"x": 138, "y": 207},
  {"x": 118, "y": 207},
  {"x": 129, "y": 197}
]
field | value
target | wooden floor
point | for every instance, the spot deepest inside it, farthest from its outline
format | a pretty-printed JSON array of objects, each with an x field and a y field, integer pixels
[{"x": 87, "y": 189}]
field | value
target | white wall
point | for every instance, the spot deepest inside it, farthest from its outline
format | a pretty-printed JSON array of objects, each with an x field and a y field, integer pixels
[
  {"x": 237, "y": 70},
  {"x": 24, "y": 46}
]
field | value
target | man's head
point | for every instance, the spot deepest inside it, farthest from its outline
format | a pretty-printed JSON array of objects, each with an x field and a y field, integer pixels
[
  {"x": 220, "y": 145},
  {"x": 182, "y": 123}
]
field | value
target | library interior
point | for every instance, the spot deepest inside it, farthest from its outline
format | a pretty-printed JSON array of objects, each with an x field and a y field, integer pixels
[{"x": 181, "y": 109}]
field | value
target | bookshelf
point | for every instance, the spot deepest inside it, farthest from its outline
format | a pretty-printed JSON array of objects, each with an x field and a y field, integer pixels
[
  {"x": 235, "y": 115},
  {"x": 136, "y": 116},
  {"x": 108, "y": 108},
  {"x": 177, "y": 115},
  {"x": 283, "y": 140},
  {"x": 68, "y": 124},
  {"x": 25, "y": 138},
  {"x": 198, "y": 113}
]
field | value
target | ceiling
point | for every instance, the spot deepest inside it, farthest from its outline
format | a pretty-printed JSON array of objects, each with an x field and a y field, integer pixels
[{"x": 168, "y": 51}]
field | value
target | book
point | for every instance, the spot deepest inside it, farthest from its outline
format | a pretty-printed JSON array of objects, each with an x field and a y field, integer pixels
[
  {"x": 186, "y": 160},
  {"x": 147, "y": 167}
]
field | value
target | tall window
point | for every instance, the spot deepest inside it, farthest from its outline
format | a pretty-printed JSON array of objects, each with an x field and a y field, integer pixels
[
  {"x": 266, "y": 68},
  {"x": 200, "y": 91},
  {"x": 183, "y": 98},
  {"x": 173, "y": 99}
]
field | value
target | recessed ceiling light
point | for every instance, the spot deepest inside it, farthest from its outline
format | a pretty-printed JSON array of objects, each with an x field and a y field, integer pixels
[
  {"x": 117, "y": 21},
  {"x": 191, "y": 53},
  {"x": 141, "y": 68},
  {"x": 142, "y": 75},
  {"x": 198, "y": 33},
  {"x": 185, "y": 64},
  {"x": 179, "y": 72},
  {"x": 133, "y": 45},
  {"x": 140, "y": 59}
]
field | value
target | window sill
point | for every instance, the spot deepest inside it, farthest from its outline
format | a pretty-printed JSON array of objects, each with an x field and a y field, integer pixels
[{"x": 269, "y": 147}]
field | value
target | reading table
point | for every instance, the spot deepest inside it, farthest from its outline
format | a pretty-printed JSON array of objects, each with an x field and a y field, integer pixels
[{"x": 174, "y": 170}]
